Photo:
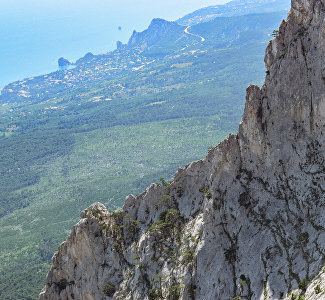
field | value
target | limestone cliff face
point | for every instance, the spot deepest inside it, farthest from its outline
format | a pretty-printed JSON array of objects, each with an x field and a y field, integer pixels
[{"x": 247, "y": 221}]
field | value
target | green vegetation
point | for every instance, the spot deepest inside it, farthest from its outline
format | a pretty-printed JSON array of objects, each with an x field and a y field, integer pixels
[
  {"x": 109, "y": 290},
  {"x": 164, "y": 182},
  {"x": 167, "y": 221},
  {"x": 296, "y": 296},
  {"x": 111, "y": 127},
  {"x": 205, "y": 191},
  {"x": 303, "y": 284},
  {"x": 243, "y": 283},
  {"x": 265, "y": 292},
  {"x": 174, "y": 291},
  {"x": 275, "y": 33},
  {"x": 189, "y": 256},
  {"x": 155, "y": 293}
]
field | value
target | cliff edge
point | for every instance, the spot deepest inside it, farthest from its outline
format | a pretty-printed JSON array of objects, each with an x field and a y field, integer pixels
[{"x": 247, "y": 222}]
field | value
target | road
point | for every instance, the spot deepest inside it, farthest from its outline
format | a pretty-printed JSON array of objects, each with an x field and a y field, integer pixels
[{"x": 186, "y": 31}]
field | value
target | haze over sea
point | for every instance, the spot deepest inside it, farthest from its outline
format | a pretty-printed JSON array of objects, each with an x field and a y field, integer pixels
[{"x": 35, "y": 33}]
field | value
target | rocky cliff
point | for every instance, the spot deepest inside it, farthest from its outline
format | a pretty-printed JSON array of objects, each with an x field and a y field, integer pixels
[
  {"x": 247, "y": 222},
  {"x": 158, "y": 30}
]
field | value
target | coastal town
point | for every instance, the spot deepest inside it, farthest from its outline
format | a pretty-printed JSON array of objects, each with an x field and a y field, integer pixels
[{"x": 88, "y": 69}]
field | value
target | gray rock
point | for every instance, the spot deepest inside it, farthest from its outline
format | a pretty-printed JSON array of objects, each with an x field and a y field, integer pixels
[{"x": 248, "y": 220}]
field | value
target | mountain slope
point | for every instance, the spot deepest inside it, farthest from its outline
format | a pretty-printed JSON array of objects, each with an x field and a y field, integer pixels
[
  {"x": 246, "y": 222},
  {"x": 65, "y": 137},
  {"x": 159, "y": 30},
  {"x": 234, "y": 8}
]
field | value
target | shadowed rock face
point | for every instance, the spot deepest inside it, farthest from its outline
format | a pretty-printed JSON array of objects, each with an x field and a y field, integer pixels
[{"x": 248, "y": 220}]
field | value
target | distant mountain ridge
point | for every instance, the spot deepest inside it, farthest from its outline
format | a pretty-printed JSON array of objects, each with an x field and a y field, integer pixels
[
  {"x": 158, "y": 29},
  {"x": 165, "y": 37},
  {"x": 233, "y": 8},
  {"x": 163, "y": 33}
]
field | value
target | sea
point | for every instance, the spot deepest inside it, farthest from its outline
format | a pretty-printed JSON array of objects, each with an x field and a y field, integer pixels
[{"x": 35, "y": 33}]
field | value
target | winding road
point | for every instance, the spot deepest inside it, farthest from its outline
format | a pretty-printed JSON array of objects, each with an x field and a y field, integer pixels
[{"x": 186, "y": 31}]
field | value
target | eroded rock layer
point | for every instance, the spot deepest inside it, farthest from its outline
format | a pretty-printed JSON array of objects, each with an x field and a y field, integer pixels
[{"x": 247, "y": 221}]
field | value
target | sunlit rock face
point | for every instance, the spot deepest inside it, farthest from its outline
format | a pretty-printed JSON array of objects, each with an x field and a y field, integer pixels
[{"x": 247, "y": 221}]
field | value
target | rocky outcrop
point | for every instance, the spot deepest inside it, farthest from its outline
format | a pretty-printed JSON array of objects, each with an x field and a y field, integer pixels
[
  {"x": 119, "y": 45},
  {"x": 85, "y": 59},
  {"x": 63, "y": 62},
  {"x": 247, "y": 222},
  {"x": 159, "y": 30}
]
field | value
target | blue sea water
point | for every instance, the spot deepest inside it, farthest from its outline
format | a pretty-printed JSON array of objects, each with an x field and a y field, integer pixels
[{"x": 35, "y": 33}]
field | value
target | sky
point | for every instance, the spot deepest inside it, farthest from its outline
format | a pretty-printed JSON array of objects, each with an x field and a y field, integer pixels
[
  {"x": 35, "y": 33},
  {"x": 127, "y": 10},
  {"x": 169, "y": 9}
]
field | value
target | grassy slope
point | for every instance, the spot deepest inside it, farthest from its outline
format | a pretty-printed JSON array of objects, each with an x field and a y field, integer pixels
[{"x": 61, "y": 161}]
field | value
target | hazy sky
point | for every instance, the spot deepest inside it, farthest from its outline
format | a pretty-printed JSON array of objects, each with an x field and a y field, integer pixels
[{"x": 169, "y": 9}]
